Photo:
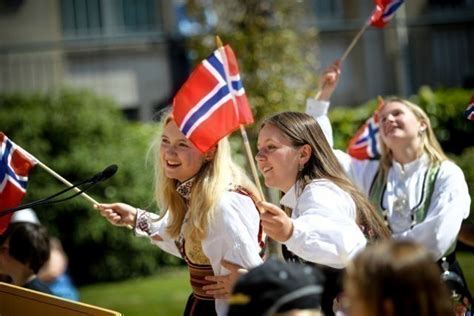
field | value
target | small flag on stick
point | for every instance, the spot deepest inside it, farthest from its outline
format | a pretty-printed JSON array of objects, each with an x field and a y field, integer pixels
[
  {"x": 366, "y": 144},
  {"x": 15, "y": 166},
  {"x": 384, "y": 11},
  {"x": 204, "y": 107}
]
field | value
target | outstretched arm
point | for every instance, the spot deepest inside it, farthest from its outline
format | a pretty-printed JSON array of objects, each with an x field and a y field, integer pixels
[
  {"x": 318, "y": 106},
  {"x": 328, "y": 81}
]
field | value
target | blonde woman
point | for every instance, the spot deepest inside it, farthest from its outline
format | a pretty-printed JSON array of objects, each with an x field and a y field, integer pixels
[
  {"x": 327, "y": 220},
  {"x": 209, "y": 214},
  {"x": 422, "y": 195}
]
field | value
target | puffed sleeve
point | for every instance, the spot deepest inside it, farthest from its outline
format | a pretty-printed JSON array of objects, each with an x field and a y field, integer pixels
[
  {"x": 151, "y": 225},
  {"x": 233, "y": 235},
  {"x": 319, "y": 111},
  {"x": 324, "y": 227},
  {"x": 361, "y": 172},
  {"x": 450, "y": 204}
]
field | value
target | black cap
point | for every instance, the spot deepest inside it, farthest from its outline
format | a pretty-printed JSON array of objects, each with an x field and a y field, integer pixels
[{"x": 277, "y": 286}]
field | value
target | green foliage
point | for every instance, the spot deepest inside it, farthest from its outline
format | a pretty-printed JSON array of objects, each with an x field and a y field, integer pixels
[
  {"x": 162, "y": 294},
  {"x": 77, "y": 134}
]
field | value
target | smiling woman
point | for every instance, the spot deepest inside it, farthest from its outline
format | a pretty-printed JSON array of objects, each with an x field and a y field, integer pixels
[
  {"x": 209, "y": 215},
  {"x": 422, "y": 195},
  {"x": 327, "y": 220}
]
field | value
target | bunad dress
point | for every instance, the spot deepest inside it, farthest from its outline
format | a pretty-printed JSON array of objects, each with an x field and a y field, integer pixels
[{"x": 235, "y": 235}]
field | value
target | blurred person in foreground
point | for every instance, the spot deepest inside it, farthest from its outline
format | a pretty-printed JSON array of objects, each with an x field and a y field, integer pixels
[
  {"x": 395, "y": 278},
  {"x": 278, "y": 288},
  {"x": 24, "y": 248},
  {"x": 54, "y": 271}
]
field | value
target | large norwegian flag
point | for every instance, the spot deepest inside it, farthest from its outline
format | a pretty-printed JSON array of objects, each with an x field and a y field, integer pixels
[
  {"x": 384, "y": 12},
  {"x": 365, "y": 144},
  {"x": 15, "y": 166},
  {"x": 469, "y": 113},
  {"x": 212, "y": 102}
]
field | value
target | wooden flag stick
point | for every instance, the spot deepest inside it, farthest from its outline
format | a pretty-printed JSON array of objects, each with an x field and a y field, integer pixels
[
  {"x": 348, "y": 50},
  {"x": 354, "y": 41},
  {"x": 245, "y": 138},
  {"x": 69, "y": 184}
]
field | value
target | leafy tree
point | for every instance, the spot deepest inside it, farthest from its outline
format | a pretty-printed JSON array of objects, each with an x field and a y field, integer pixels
[
  {"x": 276, "y": 57},
  {"x": 77, "y": 134}
]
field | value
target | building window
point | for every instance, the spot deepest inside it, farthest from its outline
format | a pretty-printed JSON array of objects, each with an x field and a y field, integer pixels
[
  {"x": 328, "y": 9},
  {"x": 87, "y": 18}
]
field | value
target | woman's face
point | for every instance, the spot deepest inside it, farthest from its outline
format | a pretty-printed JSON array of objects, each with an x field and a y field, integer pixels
[
  {"x": 398, "y": 124},
  {"x": 277, "y": 159},
  {"x": 181, "y": 160}
]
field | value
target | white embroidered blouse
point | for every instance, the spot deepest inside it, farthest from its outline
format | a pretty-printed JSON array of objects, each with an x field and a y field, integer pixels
[{"x": 450, "y": 201}]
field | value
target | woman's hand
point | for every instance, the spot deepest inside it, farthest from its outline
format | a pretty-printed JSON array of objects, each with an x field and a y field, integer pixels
[
  {"x": 118, "y": 214},
  {"x": 224, "y": 284},
  {"x": 276, "y": 224},
  {"x": 328, "y": 81}
]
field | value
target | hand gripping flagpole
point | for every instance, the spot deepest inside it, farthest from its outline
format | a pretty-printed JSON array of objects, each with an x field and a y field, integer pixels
[{"x": 245, "y": 138}]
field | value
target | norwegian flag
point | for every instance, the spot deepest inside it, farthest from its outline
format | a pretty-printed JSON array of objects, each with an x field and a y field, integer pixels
[
  {"x": 384, "y": 12},
  {"x": 15, "y": 166},
  {"x": 366, "y": 144},
  {"x": 212, "y": 102},
  {"x": 470, "y": 110}
]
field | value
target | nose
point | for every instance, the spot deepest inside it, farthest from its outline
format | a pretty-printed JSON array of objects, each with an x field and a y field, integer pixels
[
  {"x": 260, "y": 156},
  {"x": 170, "y": 150}
]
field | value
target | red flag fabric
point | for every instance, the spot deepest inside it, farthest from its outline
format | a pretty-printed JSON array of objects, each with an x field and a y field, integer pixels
[
  {"x": 470, "y": 110},
  {"x": 384, "y": 12},
  {"x": 212, "y": 102},
  {"x": 15, "y": 166},
  {"x": 365, "y": 144}
]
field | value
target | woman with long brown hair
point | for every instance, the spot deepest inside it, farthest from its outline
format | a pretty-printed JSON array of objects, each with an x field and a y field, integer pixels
[{"x": 327, "y": 220}]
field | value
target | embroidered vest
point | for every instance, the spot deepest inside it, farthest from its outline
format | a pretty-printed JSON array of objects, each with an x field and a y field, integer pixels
[
  {"x": 417, "y": 213},
  {"x": 198, "y": 264}
]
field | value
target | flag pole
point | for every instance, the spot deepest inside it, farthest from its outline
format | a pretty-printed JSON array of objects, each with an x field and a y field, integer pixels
[
  {"x": 245, "y": 138},
  {"x": 348, "y": 50},
  {"x": 354, "y": 41},
  {"x": 69, "y": 184}
]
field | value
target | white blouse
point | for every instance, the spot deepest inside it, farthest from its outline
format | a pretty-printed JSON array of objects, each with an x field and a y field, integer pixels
[
  {"x": 450, "y": 201},
  {"x": 232, "y": 236},
  {"x": 324, "y": 226}
]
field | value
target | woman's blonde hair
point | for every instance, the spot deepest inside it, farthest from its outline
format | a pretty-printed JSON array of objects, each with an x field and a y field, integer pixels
[
  {"x": 211, "y": 181},
  {"x": 401, "y": 273},
  {"x": 429, "y": 143},
  {"x": 302, "y": 129}
]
